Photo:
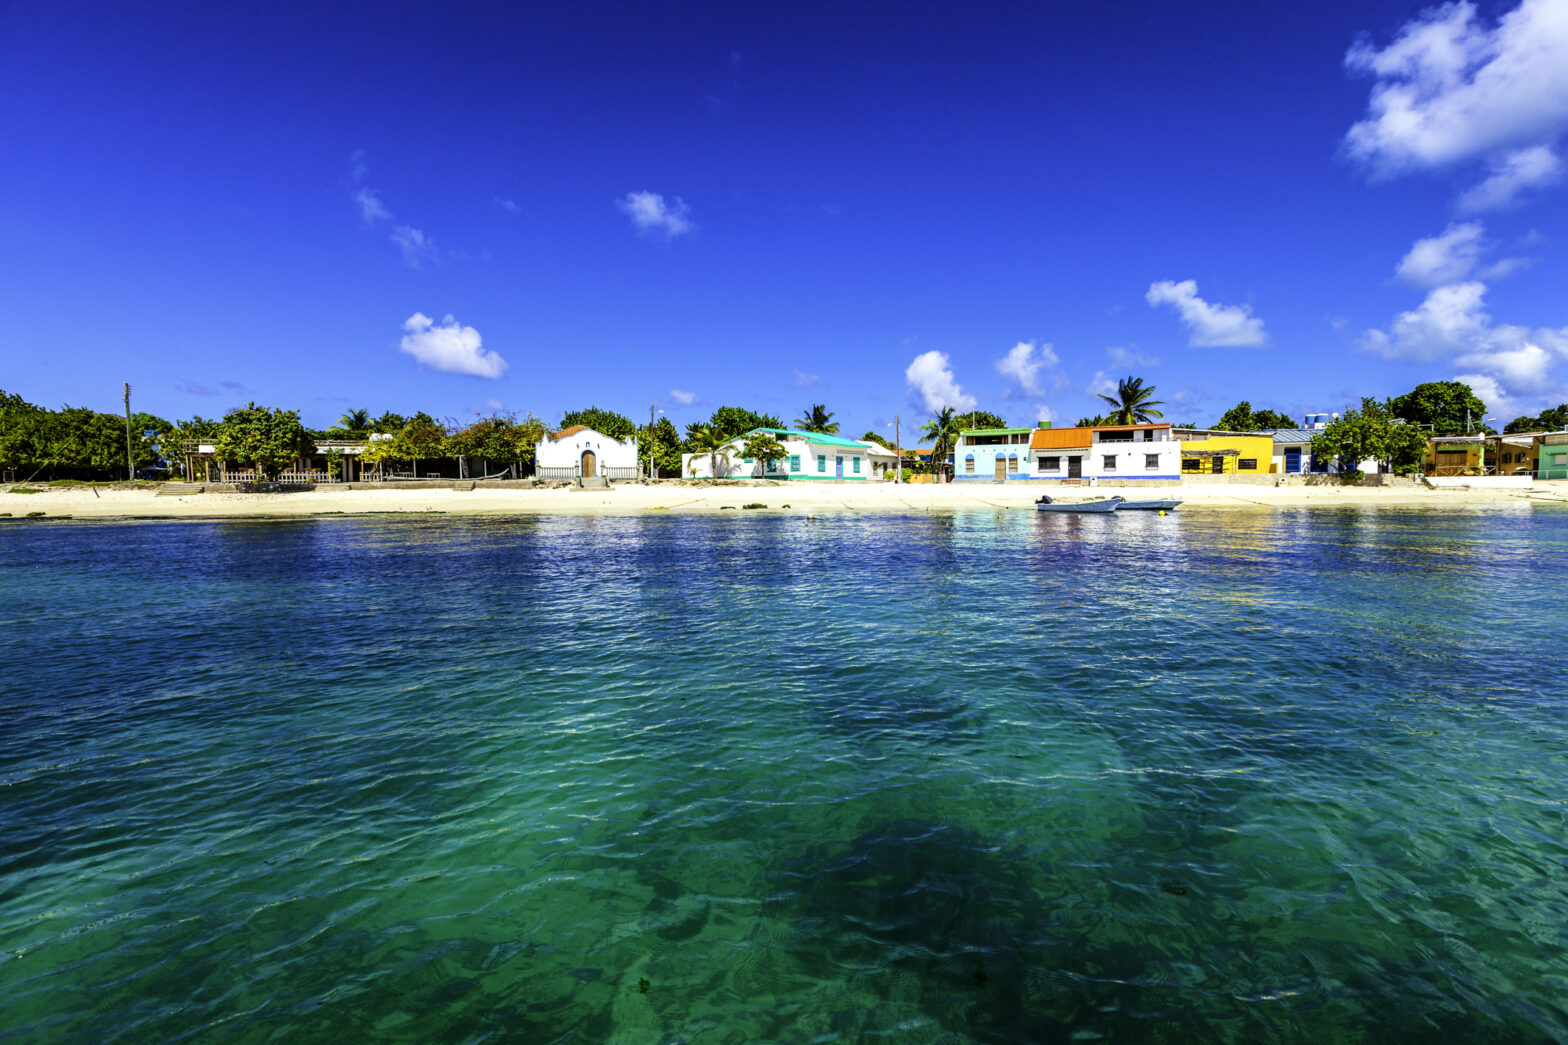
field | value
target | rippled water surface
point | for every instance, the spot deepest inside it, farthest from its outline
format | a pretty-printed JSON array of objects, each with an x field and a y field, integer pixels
[{"x": 1287, "y": 775}]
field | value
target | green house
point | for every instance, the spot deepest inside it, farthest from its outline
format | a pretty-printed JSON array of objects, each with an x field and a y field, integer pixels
[{"x": 1551, "y": 460}]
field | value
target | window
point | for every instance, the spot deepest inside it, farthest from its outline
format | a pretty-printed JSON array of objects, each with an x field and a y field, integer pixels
[
  {"x": 1148, "y": 435},
  {"x": 1115, "y": 437},
  {"x": 1191, "y": 464},
  {"x": 1247, "y": 464},
  {"x": 969, "y": 464},
  {"x": 1558, "y": 460},
  {"x": 1012, "y": 463},
  {"x": 1050, "y": 464},
  {"x": 1151, "y": 461},
  {"x": 857, "y": 466},
  {"x": 794, "y": 462},
  {"x": 822, "y": 462},
  {"x": 1110, "y": 462}
]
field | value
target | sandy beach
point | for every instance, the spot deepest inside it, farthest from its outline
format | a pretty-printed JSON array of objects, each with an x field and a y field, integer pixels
[{"x": 87, "y": 502}]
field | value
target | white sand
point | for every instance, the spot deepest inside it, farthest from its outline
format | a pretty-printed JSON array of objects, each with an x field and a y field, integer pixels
[{"x": 631, "y": 498}]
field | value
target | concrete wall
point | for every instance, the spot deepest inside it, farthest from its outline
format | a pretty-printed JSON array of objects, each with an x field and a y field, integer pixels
[{"x": 568, "y": 452}]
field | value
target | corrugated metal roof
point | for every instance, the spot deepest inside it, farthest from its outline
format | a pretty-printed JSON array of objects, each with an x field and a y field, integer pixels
[
  {"x": 994, "y": 431},
  {"x": 1293, "y": 435},
  {"x": 819, "y": 438}
]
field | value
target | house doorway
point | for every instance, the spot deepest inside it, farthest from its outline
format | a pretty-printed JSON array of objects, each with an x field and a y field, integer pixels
[
  {"x": 1075, "y": 468},
  {"x": 1218, "y": 467},
  {"x": 590, "y": 464},
  {"x": 1001, "y": 469},
  {"x": 838, "y": 467}
]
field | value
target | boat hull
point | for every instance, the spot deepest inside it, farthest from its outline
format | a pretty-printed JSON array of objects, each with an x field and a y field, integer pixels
[
  {"x": 1082, "y": 507},
  {"x": 1149, "y": 506}
]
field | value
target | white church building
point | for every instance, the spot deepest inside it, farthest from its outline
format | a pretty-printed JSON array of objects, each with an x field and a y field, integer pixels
[{"x": 581, "y": 451}]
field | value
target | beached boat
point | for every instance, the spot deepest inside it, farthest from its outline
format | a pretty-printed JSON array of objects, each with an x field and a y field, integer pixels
[
  {"x": 1168, "y": 505},
  {"x": 1045, "y": 504}
]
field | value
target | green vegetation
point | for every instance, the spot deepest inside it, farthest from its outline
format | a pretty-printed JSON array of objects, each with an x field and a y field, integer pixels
[
  {"x": 1450, "y": 407},
  {"x": 754, "y": 504},
  {"x": 267, "y": 439},
  {"x": 943, "y": 431},
  {"x": 979, "y": 419},
  {"x": 1133, "y": 403},
  {"x": 75, "y": 442},
  {"x": 730, "y": 421},
  {"x": 664, "y": 442},
  {"x": 762, "y": 447},
  {"x": 1552, "y": 420},
  {"x": 1242, "y": 418},
  {"x": 1372, "y": 433},
  {"x": 817, "y": 419},
  {"x": 605, "y": 422},
  {"x": 707, "y": 441}
]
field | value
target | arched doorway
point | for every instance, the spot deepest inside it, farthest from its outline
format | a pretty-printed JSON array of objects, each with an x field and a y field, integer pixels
[{"x": 590, "y": 464}]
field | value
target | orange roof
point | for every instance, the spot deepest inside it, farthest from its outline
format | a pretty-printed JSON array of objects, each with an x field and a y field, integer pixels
[
  {"x": 563, "y": 433},
  {"x": 1060, "y": 438}
]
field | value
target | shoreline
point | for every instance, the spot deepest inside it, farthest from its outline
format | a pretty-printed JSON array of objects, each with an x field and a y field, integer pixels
[{"x": 88, "y": 502}]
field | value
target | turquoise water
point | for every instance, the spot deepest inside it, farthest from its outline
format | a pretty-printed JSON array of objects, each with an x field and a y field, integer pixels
[{"x": 1274, "y": 775}]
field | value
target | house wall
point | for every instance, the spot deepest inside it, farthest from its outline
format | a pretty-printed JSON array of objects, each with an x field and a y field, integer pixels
[
  {"x": 1551, "y": 460},
  {"x": 1259, "y": 449},
  {"x": 568, "y": 452},
  {"x": 974, "y": 462},
  {"x": 800, "y": 462}
]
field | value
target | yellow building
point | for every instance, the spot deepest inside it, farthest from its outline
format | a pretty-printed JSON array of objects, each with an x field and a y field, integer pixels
[{"x": 1208, "y": 452}]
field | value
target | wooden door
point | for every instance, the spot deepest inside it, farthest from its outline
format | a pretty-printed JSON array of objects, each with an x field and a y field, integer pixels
[
  {"x": 1001, "y": 469},
  {"x": 590, "y": 464}
]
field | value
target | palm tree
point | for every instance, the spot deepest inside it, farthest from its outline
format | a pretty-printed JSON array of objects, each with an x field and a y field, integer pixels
[
  {"x": 818, "y": 419},
  {"x": 706, "y": 440},
  {"x": 943, "y": 430},
  {"x": 1132, "y": 404},
  {"x": 355, "y": 420}
]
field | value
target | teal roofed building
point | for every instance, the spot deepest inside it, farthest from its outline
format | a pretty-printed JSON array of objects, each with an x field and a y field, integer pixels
[{"x": 808, "y": 456}]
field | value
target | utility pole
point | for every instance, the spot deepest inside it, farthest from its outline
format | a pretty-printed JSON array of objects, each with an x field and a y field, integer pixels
[
  {"x": 898, "y": 437},
  {"x": 650, "y": 439},
  {"x": 130, "y": 462}
]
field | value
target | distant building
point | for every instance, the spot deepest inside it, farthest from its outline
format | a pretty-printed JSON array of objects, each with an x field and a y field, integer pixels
[
  {"x": 580, "y": 451},
  {"x": 1552, "y": 456},
  {"x": 1207, "y": 451},
  {"x": 1105, "y": 453},
  {"x": 807, "y": 456}
]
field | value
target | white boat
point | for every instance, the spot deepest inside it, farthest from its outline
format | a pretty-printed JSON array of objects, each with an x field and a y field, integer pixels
[
  {"x": 1045, "y": 504},
  {"x": 1168, "y": 505}
]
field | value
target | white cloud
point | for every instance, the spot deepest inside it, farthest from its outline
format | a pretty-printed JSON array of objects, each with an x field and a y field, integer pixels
[
  {"x": 931, "y": 377},
  {"x": 682, "y": 397},
  {"x": 651, "y": 215},
  {"x": 510, "y": 206},
  {"x": 1450, "y": 90},
  {"x": 1023, "y": 364},
  {"x": 1126, "y": 358},
  {"x": 1451, "y": 318},
  {"x": 1445, "y": 258},
  {"x": 1512, "y": 175},
  {"x": 415, "y": 245},
  {"x": 801, "y": 379},
  {"x": 1452, "y": 324},
  {"x": 371, "y": 210},
  {"x": 449, "y": 346},
  {"x": 1102, "y": 384},
  {"x": 1211, "y": 326},
  {"x": 359, "y": 170}
]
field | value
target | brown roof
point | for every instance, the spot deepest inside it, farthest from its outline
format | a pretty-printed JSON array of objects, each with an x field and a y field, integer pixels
[
  {"x": 1061, "y": 438},
  {"x": 563, "y": 433}
]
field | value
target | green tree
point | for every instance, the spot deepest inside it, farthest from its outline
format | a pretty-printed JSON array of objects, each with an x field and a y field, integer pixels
[
  {"x": 943, "y": 431},
  {"x": 872, "y": 437},
  {"x": 1374, "y": 433},
  {"x": 1242, "y": 418},
  {"x": 707, "y": 441},
  {"x": 1552, "y": 420},
  {"x": 422, "y": 439},
  {"x": 763, "y": 447},
  {"x": 499, "y": 438},
  {"x": 1090, "y": 422},
  {"x": 817, "y": 419},
  {"x": 269, "y": 440},
  {"x": 1448, "y": 406},
  {"x": 388, "y": 424},
  {"x": 605, "y": 422},
  {"x": 730, "y": 421},
  {"x": 664, "y": 442},
  {"x": 979, "y": 419},
  {"x": 355, "y": 420},
  {"x": 1133, "y": 403}
]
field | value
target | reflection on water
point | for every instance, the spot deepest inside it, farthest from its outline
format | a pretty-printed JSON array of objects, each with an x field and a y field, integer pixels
[{"x": 978, "y": 776}]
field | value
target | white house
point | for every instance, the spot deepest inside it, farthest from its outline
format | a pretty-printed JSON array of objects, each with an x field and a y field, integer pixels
[
  {"x": 1106, "y": 453},
  {"x": 807, "y": 455},
  {"x": 581, "y": 451}
]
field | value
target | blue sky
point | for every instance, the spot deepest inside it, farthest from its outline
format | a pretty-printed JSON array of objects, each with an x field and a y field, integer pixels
[{"x": 881, "y": 207}]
